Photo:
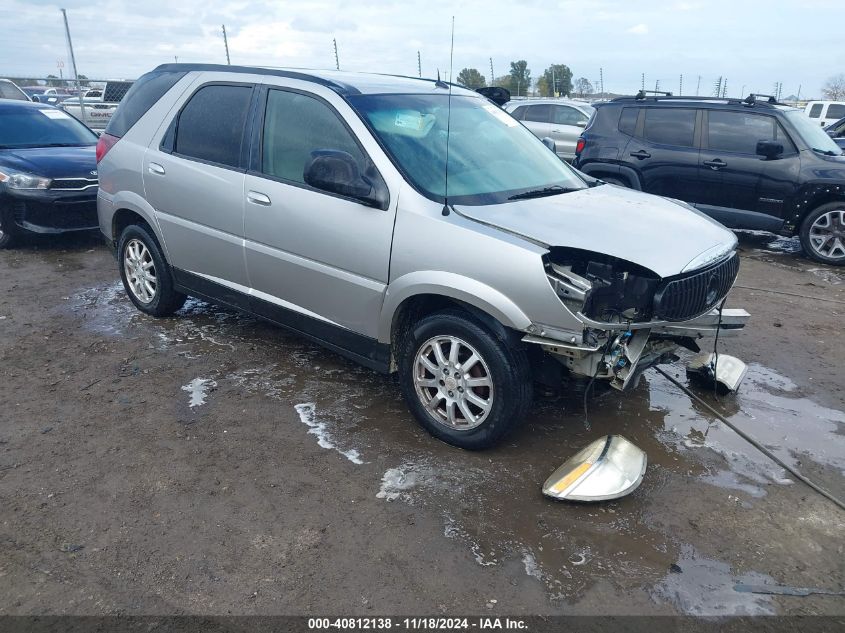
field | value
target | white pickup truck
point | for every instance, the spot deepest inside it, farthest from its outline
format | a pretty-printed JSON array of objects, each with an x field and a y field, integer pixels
[{"x": 96, "y": 107}]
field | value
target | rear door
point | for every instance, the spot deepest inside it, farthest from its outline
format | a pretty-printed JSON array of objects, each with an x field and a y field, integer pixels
[
  {"x": 567, "y": 123},
  {"x": 195, "y": 182},
  {"x": 315, "y": 259},
  {"x": 665, "y": 152}
]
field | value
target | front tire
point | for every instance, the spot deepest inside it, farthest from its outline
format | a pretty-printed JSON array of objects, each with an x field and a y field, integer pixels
[
  {"x": 823, "y": 234},
  {"x": 465, "y": 385},
  {"x": 146, "y": 276},
  {"x": 8, "y": 231}
]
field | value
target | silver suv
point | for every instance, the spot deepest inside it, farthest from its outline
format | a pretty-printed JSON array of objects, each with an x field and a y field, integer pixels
[
  {"x": 561, "y": 120},
  {"x": 410, "y": 225}
]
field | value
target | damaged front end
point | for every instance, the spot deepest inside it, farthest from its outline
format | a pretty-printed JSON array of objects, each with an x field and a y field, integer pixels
[{"x": 633, "y": 319}]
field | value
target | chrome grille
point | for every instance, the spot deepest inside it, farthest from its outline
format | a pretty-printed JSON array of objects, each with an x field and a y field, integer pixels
[
  {"x": 689, "y": 295},
  {"x": 73, "y": 184}
]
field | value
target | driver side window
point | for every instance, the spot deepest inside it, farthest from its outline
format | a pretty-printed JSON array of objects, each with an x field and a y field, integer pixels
[{"x": 295, "y": 125}]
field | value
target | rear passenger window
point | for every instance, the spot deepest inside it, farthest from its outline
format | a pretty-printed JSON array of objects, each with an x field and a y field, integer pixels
[
  {"x": 816, "y": 110},
  {"x": 670, "y": 126},
  {"x": 564, "y": 115},
  {"x": 295, "y": 125},
  {"x": 628, "y": 120},
  {"x": 537, "y": 113},
  {"x": 835, "y": 111},
  {"x": 211, "y": 125},
  {"x": 738, "y": 131},
  {"x": 519, "y": 112}
]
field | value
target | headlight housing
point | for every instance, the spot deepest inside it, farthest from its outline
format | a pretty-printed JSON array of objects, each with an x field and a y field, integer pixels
[{"x": 21, "y": 180}]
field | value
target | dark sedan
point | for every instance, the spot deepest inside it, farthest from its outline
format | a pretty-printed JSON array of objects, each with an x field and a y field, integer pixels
[{"x": 48, "y": 171}]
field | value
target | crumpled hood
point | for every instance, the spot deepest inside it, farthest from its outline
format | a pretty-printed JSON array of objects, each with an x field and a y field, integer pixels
[
  {"x": 647, "y": 230},
  {"x": 52, "y": 162}
]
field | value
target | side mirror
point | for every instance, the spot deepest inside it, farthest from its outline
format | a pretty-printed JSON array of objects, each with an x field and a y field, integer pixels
[
  {"x": 549, "y": 142},
  {"x": 335, "y": 171},
  {"x": 769, "y": 149}
]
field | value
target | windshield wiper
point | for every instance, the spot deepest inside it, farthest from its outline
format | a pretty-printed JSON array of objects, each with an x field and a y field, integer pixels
[
  {"x": 542, "y": 193},
  {"x": 826, "y": 152}
]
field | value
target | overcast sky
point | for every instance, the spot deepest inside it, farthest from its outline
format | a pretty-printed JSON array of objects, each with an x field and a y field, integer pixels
[{"x": 751, "y": 43}]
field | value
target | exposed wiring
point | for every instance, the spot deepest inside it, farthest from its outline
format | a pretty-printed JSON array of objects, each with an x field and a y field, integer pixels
[
  {"x": 789, "y": 294},
  {"x": 604, "y": 353},
  {"x": 716, "y": 351},
  {"x": 754, "y": 442}
]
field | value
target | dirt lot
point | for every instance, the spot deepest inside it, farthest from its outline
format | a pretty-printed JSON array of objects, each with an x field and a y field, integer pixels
[{"x": 298, "y": 483}]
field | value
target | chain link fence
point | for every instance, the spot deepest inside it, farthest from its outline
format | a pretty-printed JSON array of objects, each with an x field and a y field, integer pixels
[{"x": 92, "y": 101}]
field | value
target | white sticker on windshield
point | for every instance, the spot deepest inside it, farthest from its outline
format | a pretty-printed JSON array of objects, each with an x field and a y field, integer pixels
[
  {"x": 53, "y": 114},
  {"x": 410, "y": 120},
  {"x": 500, "y": 114}
]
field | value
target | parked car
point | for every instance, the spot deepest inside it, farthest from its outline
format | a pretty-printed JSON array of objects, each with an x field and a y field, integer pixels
[
  {"x": 10, "y": 90},
  {"x": 48, "y": 171},
  {"x": 44, "y": 94},
  {"x": 750, "y": 163},
  {"x": 93, "y": 112},
  {"x": 558, "y": 119},
  {"x": 836, "y": 131},
  {"x": 320, "y": 202},
  {"x": 825, "y": 112}
]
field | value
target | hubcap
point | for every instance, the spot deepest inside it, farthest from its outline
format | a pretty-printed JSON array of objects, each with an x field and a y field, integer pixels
[
  {"x": 140, "y": 271},
  {"x": 453, "y": 382},
  {"x": 827, "y": 235}
]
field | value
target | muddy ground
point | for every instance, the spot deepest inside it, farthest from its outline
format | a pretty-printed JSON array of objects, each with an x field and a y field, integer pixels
[{"x": 298, "y": 482}]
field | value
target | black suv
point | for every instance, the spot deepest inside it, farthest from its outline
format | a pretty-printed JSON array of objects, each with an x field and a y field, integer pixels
[{"x": 750, "y": 163}]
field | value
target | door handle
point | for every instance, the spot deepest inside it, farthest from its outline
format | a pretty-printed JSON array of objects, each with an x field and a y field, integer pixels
[
  {"x": 256, "y": 197},
  {"x": 641, "y": 154},
  {"x": 155, "y": 168},
  {"x": 716, "y": 164}
]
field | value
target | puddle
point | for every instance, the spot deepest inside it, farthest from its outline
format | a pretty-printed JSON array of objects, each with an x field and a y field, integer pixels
[
  {"x": 198, "y": 389},
  {"x": 704, "y": 587}
]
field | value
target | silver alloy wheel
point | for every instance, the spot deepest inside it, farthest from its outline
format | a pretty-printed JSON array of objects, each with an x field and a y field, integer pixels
[
  {"x": 140, "y": 270},
  {"x": 827, "y": 235},
  {"x": 453, "y": 382}
]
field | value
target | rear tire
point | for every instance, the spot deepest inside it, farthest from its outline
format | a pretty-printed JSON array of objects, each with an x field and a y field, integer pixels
[
  {"x": 8, "y": 230},
  {"x": 147, "y": 277},
  {"x": 823, "y": 234},
  {"x": 474, "y": 390}
]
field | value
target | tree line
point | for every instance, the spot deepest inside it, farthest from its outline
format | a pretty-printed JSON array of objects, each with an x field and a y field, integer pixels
[{"x": 556, "y": 80}]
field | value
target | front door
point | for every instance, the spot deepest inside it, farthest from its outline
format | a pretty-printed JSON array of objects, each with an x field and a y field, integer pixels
[
  {"x": 314, "y": 258},
  {"x": 195, "y": 183},
  {"x": 567, "y": 125}
]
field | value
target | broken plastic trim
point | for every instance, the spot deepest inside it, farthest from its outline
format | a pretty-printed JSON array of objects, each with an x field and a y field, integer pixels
[
  {"x": 729, "y": 371},
  {"x": 609, "y": 468}
]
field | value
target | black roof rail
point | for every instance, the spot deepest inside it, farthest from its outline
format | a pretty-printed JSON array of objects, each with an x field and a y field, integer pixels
[
  {"x": 751, "y": 99},
  {"x": 642, "y": 93},
  {"x": 748, "y": 101}
]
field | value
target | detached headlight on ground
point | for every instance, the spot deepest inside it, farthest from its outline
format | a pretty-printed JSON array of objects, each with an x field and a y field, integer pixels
[
  {"x": 609, "y": 468},
  {"x": 20, "y": 180}
]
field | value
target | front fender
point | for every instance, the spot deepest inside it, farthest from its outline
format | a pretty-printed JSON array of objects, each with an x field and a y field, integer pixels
[{"x": 454, "y": 286}]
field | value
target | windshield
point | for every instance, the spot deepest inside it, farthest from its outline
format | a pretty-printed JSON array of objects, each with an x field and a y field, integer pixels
[
  {"x": 23, "y": 127},
  {"x": 492, "y": 157},
  {"x": 812, "y": 133}
]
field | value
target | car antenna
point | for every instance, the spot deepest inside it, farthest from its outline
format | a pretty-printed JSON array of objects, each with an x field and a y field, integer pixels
[{"x": 448, "y": 120}]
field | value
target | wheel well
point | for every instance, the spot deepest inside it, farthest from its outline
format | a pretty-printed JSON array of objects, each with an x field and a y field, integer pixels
[
  {"x": 123, "y": 218},
  {"x": 413, "y": 309}
]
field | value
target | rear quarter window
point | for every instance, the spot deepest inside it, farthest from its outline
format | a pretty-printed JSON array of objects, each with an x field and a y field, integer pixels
[
  {"x": 143, "y": 94},
  {"x": 835, "y": 111},
  {"x": 628, "y": 120}
]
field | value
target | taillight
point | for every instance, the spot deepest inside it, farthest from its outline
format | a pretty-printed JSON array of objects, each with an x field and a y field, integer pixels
[
  {"x": 579, "y": 146},
  {"x": 105, "y": 143}
]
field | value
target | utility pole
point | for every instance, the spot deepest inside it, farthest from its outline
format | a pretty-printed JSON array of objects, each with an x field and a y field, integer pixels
[
  {"x": 419, "y": 64},
  {"x": 698, "y": 86},
  {"x": 336, "y": 58},
  {"x": 73, "y": 64},
  {"x": 226, "y": 44},
  {"x": 601, "y": 82},
  {"x": 725, "y": 87},
  {"x": 492, "y": 78},
  {"x": 642, "y": 86},
  {"x": 657, "y": 86},
  {"x": 681, "y": 86},
  {"x": 742, "y": 92},
  {"x": 554, "y": 83},
  {"x": 798, "y": 96}
]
